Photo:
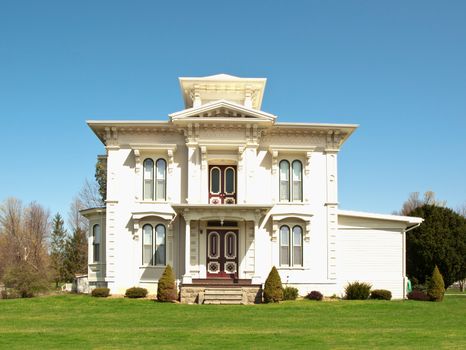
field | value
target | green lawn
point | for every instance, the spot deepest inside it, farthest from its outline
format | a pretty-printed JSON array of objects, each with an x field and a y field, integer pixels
[{"x": 78, "y": 321}]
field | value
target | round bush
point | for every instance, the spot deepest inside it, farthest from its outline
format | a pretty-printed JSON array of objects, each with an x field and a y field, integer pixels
[
  {"x": 100, "y": 292},
  {"x": 418, "y": 295},
  {"x": 290, "y": 293},
  {"x": 381, "y": 294},
  {"x": 358, "y": 290},
  {"x": 315, "y": 295},
  {"x": 136, "y": 292}
]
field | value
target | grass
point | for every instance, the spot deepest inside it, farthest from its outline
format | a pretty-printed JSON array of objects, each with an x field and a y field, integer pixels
[{"x": 79, "y": 321}]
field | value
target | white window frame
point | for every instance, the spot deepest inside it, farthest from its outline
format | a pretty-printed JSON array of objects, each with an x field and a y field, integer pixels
[
  {"x": 154, "y": 244},
  {"x": 291, "y": 245},
  {"x": 291, "y": 193},
  {"x": 155, "y": 193}
]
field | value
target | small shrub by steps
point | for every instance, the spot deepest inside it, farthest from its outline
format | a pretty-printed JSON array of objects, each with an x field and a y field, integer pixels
[
  {"x": 100, "y": 292},
  {"x": 136, "y": 292}
]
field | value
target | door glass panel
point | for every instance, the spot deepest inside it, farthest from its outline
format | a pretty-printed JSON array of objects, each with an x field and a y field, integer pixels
[
  {"x": 230, "y": 245},
  {"x": 229, "y": 180},
  {"x": 215, "y": 180},
  {"x": 297, "y": 246}
]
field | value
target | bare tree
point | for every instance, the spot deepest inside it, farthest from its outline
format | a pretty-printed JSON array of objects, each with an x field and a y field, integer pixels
[
  {"x": 462, "y": 210},
  {"x": 414, "y": 201},
  {"x": 23, "y": 246}
]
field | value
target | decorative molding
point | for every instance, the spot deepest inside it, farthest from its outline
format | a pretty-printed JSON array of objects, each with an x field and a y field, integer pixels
[
  {"x": 274, "y": 161},
  {"x": 204, "y": 157},
  {"x": 307, "y": 167}
]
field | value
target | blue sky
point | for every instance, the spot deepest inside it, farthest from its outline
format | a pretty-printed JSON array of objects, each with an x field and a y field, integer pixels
[{"x": 397, "y": 68}]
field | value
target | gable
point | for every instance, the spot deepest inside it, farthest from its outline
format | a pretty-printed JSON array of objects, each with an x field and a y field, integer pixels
[{"x": 222, "y": 110}]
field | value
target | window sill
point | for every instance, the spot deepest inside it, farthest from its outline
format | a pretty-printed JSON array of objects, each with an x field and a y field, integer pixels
[
  {"x": 154, "y": 202},
  {"x": 292, "y": 268},
  {"x": 293, "y": 203},
  {"x": 158, "y": 267}
]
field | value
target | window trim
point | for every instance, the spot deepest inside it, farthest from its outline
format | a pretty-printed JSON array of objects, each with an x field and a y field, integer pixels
[
  {"x": 219, "y": 180},
  {"x": 153, "y": 259},
  {"x": 291, "y": 257},
  {"x": 290, "y": 197},
  {"x": 154, "y": 197},
  {"x": 96, "y": 246}
]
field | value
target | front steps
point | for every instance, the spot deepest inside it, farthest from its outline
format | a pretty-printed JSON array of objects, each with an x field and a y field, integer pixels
[
  {"x": 223, "y": 296},
  {"x": 214, "y": 292}
]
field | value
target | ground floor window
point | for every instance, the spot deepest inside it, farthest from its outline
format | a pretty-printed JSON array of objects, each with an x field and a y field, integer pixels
[
  {"x": 153, "y": 245},
  {"x": 291, "y": 246}
]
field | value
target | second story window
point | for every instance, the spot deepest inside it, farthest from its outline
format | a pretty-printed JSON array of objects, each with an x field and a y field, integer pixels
[
  {"x": 291, "y": 181},
  {"x": 155, "y": 179}
]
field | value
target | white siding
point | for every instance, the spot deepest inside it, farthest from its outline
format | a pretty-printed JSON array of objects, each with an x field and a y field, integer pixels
[{"x": 373, "y": 255}]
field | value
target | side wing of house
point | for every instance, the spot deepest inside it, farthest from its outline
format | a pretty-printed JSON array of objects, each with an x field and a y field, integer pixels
[{"x": 371, "y": 248}]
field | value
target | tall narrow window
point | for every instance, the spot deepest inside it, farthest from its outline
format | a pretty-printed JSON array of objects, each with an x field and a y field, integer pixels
[
  {"x": 297, "y": 181},
  {"x": 297, "y": 246},
  {"x": 229, "y": 180},
  {"x": 284, "y": 180},
  {"x": 284, "y": 246},
  {"x": 147, "y": 246},
  {"x": 215, "y": 180},
  {"x": 148, "y": 179},
  {"x": 161, "y": 166},
  {"x": 160, "y": 250},
  {"x": 96, "y": 237}
]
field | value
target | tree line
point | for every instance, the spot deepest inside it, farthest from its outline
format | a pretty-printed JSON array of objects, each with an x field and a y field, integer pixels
[{"x": 37, "y": 252}]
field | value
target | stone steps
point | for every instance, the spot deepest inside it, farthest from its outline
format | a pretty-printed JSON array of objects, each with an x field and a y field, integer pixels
[{"x": 223, "y": 296}]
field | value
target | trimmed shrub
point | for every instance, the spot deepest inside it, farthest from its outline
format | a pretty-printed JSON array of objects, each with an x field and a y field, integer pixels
[
  {"x": 381, "y": 294},
  {"x": 357, "y": 290},
  {"x": 166, "y": 289},
  {"x": 273, "y": 290},
  {"x": 136, "y": 292},
  {"x": 100, "y": 292},
  {"x": 436, "y": 286},
  {"x": 290, "y": 293},
  {"x": 315, "y": 295},
  {"x": 418, "y": 295}
]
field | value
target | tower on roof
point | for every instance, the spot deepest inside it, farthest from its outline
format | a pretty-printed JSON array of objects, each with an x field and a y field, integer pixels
[{"x": 244, "y": 91}]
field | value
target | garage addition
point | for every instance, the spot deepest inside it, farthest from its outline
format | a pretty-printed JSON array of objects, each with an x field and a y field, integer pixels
[{"x": 222, "y": 191}]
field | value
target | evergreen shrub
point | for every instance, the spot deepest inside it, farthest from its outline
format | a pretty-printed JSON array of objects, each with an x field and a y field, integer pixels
[
  {"x": 436, "y": 286},
  {"x": 273, "y": 290},
  {"x": 315, "y": 295},
  {"x": 136, "y": 292},
  {"x": 100, "y": 292},
  {"x": 290, "y": 293},
  {"x": 357, "y": 290},
  {"x": 381, "y": 294},
  {"x": 166, "y": 289}
]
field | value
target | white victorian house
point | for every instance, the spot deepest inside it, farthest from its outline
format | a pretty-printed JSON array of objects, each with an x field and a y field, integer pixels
[{"x": 222, "y": 191}]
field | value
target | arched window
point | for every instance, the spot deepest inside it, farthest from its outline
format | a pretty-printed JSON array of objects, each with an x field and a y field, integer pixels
[
  {"x": 161, "y": 166},
  {"x": 148, "y": 179},
  {"x": 297, "y": 246},
  {"x": 284, "y": 246},
  {"x": 284, "y": 181},
  {"x": 147, "y": 244},
  {"x": 160, "y": 235},
  {"x": 96, "y": 237},
  {"x": 297, "y": 179}
]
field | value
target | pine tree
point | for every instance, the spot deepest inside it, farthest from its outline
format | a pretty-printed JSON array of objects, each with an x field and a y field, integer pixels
[
  {"x": 58, "y": 241},
  {"x": 76, "y": 254},
  {"x": 273, "y": 290},
  {"x": 166, "y": 289},
  {"x": 436, "y": 287}
]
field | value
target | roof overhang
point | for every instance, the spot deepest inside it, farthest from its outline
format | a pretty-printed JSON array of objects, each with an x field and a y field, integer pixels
[
  {"x": 407, "y": 220},
  {"x": 233, "y": 88},
  {"x": 235, "y": 212},
  {"x": 93, "y": 211}
]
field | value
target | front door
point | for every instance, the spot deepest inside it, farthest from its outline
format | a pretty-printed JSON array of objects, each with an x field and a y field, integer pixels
[
  {"x": 222, "y": 253},
  {"x": 222, "y": 184}
]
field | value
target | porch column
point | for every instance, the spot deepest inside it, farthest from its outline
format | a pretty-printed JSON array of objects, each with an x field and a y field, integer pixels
[
  {"x": 256, "y": 278},
  {"x": 187, "y": 278}
]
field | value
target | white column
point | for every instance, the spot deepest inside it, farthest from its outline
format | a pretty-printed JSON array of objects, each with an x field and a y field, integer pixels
[
  {"x": 187, "y": 278},
  {"x": 256, "y": 278}
]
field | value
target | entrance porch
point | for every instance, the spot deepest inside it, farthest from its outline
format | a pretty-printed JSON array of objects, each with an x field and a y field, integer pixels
[{"x": 220, "y": 258}]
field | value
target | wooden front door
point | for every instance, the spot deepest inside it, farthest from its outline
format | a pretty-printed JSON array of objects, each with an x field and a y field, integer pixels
[
  {"x": 222, "y": 253},
  {"x": 222, "y": 184}
]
